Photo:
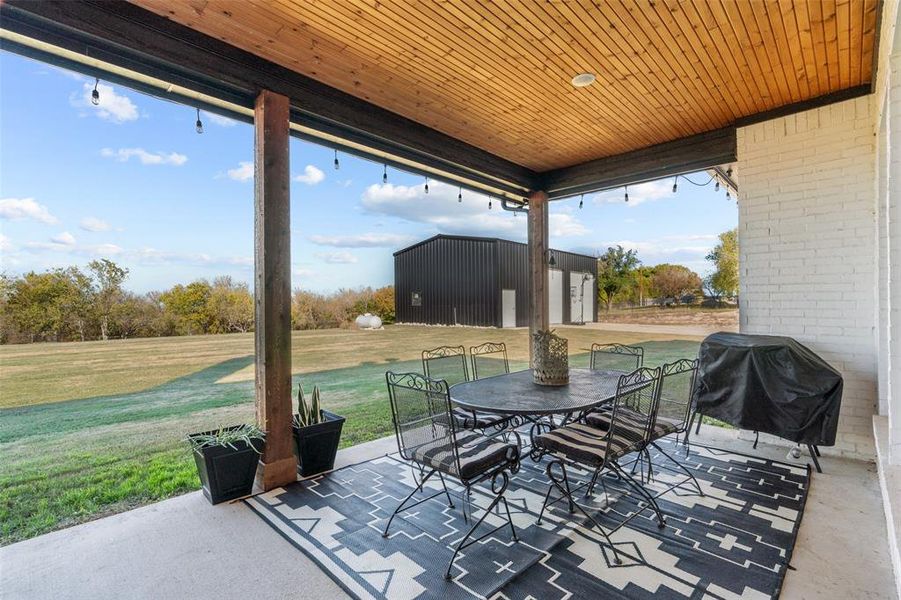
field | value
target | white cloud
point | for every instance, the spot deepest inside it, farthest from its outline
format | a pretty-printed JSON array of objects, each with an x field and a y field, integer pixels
[
  {"x": 638, "y": 194},
  {"x": 243, "y": 172},
  {"x": 565, "y": 225},
  {"x": 154, "y": 256},
  {"x": 443, "y": 209},
  {"x": 65, "y": 238},
  {"x": 363, "y": 240},
  {"x": 69, "y": 247},
  {"x": 5, "y": 244},
  {"x": 94, "y": 224},
  {"x": 218, "y": 119},
  {"x": 146, "y": 158},
  {"x": 17, "y": 209},
  {"x": 336, "y": 258},
  {"x": 303, "y": 272},
  {"x": 112, "y": 107},
  {"x": 311, "y": 175}
]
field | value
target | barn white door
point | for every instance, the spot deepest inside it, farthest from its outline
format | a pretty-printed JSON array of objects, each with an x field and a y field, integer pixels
[
  {"x": 555, "y": 291},
  {"x": 508, "y": 308},
  {"x": 581, "y": 292}
]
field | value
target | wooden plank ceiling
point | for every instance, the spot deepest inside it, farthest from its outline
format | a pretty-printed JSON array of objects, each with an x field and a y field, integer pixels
[{"x": 497, "y": 73}]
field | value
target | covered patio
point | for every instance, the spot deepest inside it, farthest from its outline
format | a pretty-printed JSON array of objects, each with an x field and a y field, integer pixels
[{"x": 795, "y": 108}]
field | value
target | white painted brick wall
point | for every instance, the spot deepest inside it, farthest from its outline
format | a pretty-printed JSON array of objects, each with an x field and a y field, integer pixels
[
  {"x": 808, "y": 244},
  {"x": 894, "y": 234}
]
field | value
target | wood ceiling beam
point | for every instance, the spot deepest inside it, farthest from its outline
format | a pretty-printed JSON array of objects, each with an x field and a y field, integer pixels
[{"x": 113, "y": 31}]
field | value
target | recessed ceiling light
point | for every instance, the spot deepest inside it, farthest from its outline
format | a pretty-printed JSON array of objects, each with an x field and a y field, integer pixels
[{"x": 583, "y": 79}]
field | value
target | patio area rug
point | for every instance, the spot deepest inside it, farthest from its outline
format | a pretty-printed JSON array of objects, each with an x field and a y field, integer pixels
[{"x": 734, "y": 542}]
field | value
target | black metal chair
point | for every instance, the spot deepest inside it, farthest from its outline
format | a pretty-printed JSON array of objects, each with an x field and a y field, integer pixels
[
  {"x": 427, "y": 437},
  {"x": 672, "y": 415},
  {"x": 489, "y": 359},
  {"x": 582, "y": 446},
  {"x": 449, "y": 364},
  {"x": 616, "y": 357}
]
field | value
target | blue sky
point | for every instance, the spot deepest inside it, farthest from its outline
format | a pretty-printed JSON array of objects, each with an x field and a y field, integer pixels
[{"x": 132, "y": 181}]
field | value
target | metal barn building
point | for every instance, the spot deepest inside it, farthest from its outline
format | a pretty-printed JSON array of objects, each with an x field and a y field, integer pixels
[{"x": 459, "y": 280}]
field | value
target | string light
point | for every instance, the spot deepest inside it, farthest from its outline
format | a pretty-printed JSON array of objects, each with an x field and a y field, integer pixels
[
  {"x": 728, "y": 195},
  {"x": 460, "y": 195},
  {"x": 489, "y": 202},
  {"x": 716, "y": 187},
  {"x": 627, "y": 193},
  {"x": 426, "y": 185},
  {"x": 198, "y": 126},
  {"x": 385, "y": 174},
  {"x": 95, "y": 95},
  {"x": 675, "y": 184},
  {"x": 581, "y": 201},
  {"x": 729, "y": 172},
  {"x": 337, "y": 164}
]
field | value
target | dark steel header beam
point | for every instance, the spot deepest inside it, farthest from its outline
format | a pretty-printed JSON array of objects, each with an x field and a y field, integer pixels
[{"x": 685, "y": 155}]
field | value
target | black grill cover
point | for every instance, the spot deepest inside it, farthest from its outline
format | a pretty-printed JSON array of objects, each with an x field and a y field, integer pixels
[{"x": 769, "y": 384}]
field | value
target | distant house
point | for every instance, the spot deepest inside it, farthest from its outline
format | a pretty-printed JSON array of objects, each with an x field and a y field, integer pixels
[{"x": 459, "y": 280}]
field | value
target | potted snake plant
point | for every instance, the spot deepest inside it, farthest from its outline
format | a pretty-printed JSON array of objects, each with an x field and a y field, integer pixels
[
  {"x": 317, "y": 433},
  {"x": 226, "y": 460}
]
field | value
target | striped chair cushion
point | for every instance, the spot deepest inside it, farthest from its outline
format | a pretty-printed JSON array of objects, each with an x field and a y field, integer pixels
[
  {"x": 469, "y": 419},
  {"x": 478, "y": 454},
  {"x": 583, "y": 443},
  {"x": 633, "y": 422}
]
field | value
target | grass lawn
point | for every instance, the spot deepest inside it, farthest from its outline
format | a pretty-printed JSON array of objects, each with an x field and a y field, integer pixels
[{"x": 93, "y": 428}]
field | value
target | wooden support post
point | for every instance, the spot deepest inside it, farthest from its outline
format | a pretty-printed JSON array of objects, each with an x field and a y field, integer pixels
[
  {"x": 539, "y": 303},
  {"x": 272, "y": 293}
]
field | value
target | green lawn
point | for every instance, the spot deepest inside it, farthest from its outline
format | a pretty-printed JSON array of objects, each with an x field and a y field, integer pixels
[{"x": 70, "y": 456}]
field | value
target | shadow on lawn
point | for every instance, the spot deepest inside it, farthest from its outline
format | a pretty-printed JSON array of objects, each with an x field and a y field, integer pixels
[{"x": 357, "y": 390}]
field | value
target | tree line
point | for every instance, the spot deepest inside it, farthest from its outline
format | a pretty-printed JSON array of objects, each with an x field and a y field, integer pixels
[
  {"x": 622, "y": 279},
  {"x": 79, "y": 304}
]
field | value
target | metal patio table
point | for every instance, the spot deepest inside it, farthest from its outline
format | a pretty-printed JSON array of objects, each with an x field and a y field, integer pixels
[{"x": 517, "y": 394}]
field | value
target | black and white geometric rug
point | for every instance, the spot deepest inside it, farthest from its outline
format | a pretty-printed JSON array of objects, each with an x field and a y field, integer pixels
[{"x": 734, "y": 542}]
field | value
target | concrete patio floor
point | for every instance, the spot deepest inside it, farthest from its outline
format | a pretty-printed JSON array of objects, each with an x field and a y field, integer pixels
[{"x": 185, "y": 548}]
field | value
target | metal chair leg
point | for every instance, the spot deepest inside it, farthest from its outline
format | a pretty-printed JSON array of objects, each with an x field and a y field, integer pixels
[
  {"x": 661, "y": 521},
  {"x": 499, "y": 496},
  {"x": 450, "y": 503},
  {"x": 681, "y": 466},
  {"x": 401, "y": 506},
  {"x": 558, "y": 483}
]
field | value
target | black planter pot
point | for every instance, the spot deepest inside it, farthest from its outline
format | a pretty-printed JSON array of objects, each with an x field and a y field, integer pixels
[
  {"x": 227, "y": 473},
  {"x": 316, "y": 445}
]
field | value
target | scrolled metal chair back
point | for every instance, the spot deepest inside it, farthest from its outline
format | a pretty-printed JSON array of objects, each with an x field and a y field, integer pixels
[
  {"x": 676, "y": 391},
  {"x": 616, "y": 357},
  {"x": 634, "y": 408},
  {"x": 489, "y": 359},
  {"x": 421, "y": 413},
  {"x": 447, "y": 363}
]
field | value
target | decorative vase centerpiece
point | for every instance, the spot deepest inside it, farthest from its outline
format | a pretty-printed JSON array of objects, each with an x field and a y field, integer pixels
[{"x": 551, "y": 364}]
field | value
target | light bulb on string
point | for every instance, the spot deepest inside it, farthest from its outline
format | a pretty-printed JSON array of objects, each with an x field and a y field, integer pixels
[
  {"x": 95, "y": 95},
  {"x": 627, "y": 193},
  {"x": 581, "y": 201},
  {"x": 385, "y": 174},
  {"x": 716, "y": 187},
  {"x": 489, "y": 202},
  {"x": 426, "y": 185},
  {"x": 675, "y": 184},
  {"x": 337, "y": 164},
  {"x": 460, "y": 195},
  {"x": 198, "y": 125}
]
